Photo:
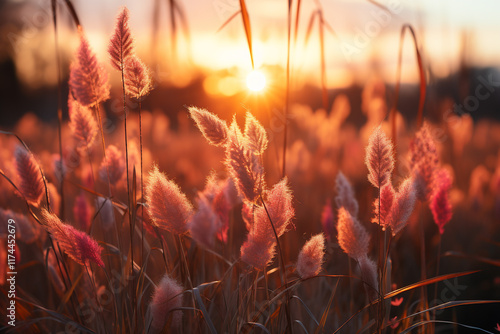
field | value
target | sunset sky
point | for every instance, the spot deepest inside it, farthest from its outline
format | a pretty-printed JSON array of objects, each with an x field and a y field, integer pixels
[{"x": 365, "y": 44}]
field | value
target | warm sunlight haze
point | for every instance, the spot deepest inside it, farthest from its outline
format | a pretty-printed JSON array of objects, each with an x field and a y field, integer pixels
[{"x": 256, "y": 81}]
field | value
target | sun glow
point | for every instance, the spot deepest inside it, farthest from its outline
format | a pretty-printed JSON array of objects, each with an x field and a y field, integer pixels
[{"x": 256, "y": 81}]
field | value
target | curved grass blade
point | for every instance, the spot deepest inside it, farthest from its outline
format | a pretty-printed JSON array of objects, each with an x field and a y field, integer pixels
[
  {"x": 256, "y": 324},
  {"x": 206, "y": 316},
  {"x": 307, "y": 309},
  {"x": 228, "y": 20},
  {"x": 422, "y": 323},
  {"x": 477, "y": 258},
  {"x": 248, "y": 31},
  {"x": 301, "y": 325}
]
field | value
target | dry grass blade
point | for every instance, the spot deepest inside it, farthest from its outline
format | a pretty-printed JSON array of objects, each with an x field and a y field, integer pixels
[
  {"x": 421, "y": 70},
  {"x": 57, "y": 316},
  {"x": 68, "y": 293},
  {"x": 422, "y": 323},
  {"x": 379, "y": 5},
  {"x": 72, "y": 11},
  {"x": 310, "y": 26},
  {"x": 427, "y": 282},
  {"x": 297, "y": 16},
  {"x": 228, "y": 20},
  {"x": 206, "y": 316},
  {"x": 301, "y": 325},
  {"x": 248, "y": 31},
  {"x": 327, "y": 310},
  {"x": 307, "y": 309},
  {"x": 477, "y": 258},
  {"x": 256, "y": 324}
]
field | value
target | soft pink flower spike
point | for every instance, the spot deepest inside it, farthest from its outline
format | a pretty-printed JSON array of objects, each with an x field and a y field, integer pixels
[
  {"x": 121, "y": 45},
  {"x": 204, "y": 223},
  {"x": 82, "y": 212},
  {"x": 88, "y": 81},
  {"x": 403, "y": 206},
  {"x": 212, "y": 127},
  {"x": 352, "y": 236},
  {"x": 30, "y": 179},
  {"x": 423, "y": 161},
  {"x": 82, "y": 124},
  {"x": 379, "y": 158},
  {"x": 440, "y": 202},
  {"x": 78, "y": 245},
  {"x": 167, "y": 296},
  {"x": 386, "y": 202},
  {"x": 167, "y": 206},
  {"x": 115, "y": 163},
  {"x": 345, "y": 195},
  {"x": 137, "y": 78},
  {"x": 258, "y": 250},
  {"x": 311, "y": 257},
  {"x": 244, "y": 166},
  {"x": 255, "y": 134},
  {"x": 328, "y": 220}
]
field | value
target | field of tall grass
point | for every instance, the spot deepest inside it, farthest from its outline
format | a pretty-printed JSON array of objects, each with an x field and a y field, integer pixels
[{"x": 294, "y": 221}]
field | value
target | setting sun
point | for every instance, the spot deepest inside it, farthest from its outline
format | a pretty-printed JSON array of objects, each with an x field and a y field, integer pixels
[{"x": 256, "y": 81}]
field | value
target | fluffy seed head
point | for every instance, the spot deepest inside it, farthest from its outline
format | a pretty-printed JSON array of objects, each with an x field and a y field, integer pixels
[
  {"x": 386, "y": 201},
  {"x": 328, "y": 220},
  {"x": 258, "y": 249},
  {"x": 379, "y": 158},
  {"x": 345, "y": 195},
  {"x": 244, "y": 166},
  {"x": 78, "y": 245},
  {"x": 82, "y": 212},
  {"x": 212, "y": 127},
  {"x": 424, "y": 161},
  {"x": 114, "y": 164},
  {"x": 167, "y": 206},
  {"x": 352, "y": 236},
  {"x": 88, "y": 81},
  {"x": 30, "y": 179},
  {"x": 255, "y": 135},
  {"x": 121, "y": 45},
  {"x": 204, "y": 223},
  {"x": 403, "y": 205},
  {"x": 137, "y": 78},
  {"x": 82, "y": 124},
  {"x": 106, "y": 211},
  {"x": 440, "y": 202},
  {"x": 167, "y": 296},
  {"x": 311, "y": 257}
]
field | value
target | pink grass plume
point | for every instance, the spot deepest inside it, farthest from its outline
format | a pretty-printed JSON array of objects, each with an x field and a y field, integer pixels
[
  {"x": 387, "y": 194},
  {"x": 440, "y": 204},
  {"x": 352, "y": 236},
  {"x": 379, "y": 158},
  {"x": 79, "y": 246},
  {"x": 106, "y": 211},
  {"x": 167, "y": 206},
  {"x": 137, "y": 78},
  {"x": 121, "y": 44},
  {"x": 204, "y": 223},
  {"x": 244, "y": 166},
  {"x": 82, "y": 212},
  {"x": 255, "y": 134},
  {"x": 403, "y": 205},
  {"x": 30, "y": 182},
  {"x": 311, "y": 257},
  {"x": 258, "y": 249},
  {"x": 88, "y": 81},
  {"x": 424, "y": 161},
  {"x": 212, "y": 127},
  {"x": 167, "y": 296},
  {"x": 114, "y": 164},
  {"x": 82, "y": 124},
  {"x": 345, "y": 195},
  {"x": 328, "y": 220}
]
